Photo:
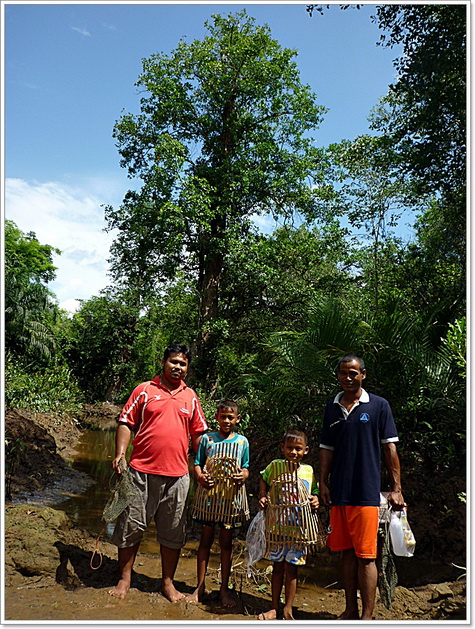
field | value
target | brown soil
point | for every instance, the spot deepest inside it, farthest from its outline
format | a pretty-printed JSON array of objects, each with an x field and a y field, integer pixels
[{"x": 48, "y": 575}]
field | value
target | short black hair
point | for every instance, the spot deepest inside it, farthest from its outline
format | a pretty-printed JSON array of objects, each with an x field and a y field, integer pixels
[
  {"x": 347, "y": 358},
  {"x": 177, "y": 349},
  {"x": 292, "y": 433},
  {"x": 226, "y": 403}
]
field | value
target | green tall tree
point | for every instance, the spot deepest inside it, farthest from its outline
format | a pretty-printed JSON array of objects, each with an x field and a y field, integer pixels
[
  {"x": 372, "y": 195},
  {"x": 429, "y": 95},
  {"x": 426, "y": 121},
  {"x": 29, "y": 304},
  {"x": 223, "y": 135}
]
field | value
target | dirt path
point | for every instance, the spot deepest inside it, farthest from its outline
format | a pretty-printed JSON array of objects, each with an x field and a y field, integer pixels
[
  {"x": 48, "y": 574},
  {"x": 49, "y": 577}
]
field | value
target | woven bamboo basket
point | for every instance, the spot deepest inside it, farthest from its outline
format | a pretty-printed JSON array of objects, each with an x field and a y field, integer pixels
[
  {"x": 290, "y": 521},
  {"x": 226, "y": 502}
]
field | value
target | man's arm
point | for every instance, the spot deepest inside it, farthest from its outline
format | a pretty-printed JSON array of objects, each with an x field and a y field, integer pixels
[
  {"x": 122, "y": 438},
  {"x": 393, "y": 466},
  {"x": 326, "y": 460},
  {"x": 195, "y": 440}
]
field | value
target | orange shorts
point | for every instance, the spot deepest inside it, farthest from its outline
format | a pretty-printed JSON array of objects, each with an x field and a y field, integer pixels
[{"x": 354, "y": 527}]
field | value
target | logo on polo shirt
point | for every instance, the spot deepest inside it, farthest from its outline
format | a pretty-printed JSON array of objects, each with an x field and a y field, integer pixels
[
  {"x": 364, "y": 417},
  {"x": 184, "y": 410}
]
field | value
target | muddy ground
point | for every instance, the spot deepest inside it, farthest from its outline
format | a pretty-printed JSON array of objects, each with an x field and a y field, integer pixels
[{"x": 48, "y": 574}]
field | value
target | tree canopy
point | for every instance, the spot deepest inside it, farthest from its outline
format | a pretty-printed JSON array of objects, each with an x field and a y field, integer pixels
[{"x": 223, "y": 135}]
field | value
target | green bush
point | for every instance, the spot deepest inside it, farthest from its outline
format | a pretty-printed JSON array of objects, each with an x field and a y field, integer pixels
[{"x": 52, "y": 389}]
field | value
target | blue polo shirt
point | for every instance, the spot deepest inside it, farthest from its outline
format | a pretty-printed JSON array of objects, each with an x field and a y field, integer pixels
[{"x": 356, "y": 438}]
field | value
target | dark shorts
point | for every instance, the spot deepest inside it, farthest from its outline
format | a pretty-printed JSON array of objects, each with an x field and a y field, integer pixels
[{"x": 221, "y": 525}]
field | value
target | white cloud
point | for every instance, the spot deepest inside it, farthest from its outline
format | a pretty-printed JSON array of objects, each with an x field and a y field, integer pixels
[
  {"x": 264, "y": 222},
  {"x": 82, "y": 31},
  {"x": 70, "y": 219},
  {"x": 70, "y": 305}
]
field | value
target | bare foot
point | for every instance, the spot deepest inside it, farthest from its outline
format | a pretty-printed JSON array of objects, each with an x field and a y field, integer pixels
[
  {"x": 349, "y": 616},
  {"x": 288, "y": 613},
  {"x": 270, "y": 615},
  {"x": 121, "y": 589},
  {"x": 227, "y": 599},
  {"x": 171, "y": 593},
  {"x": 196, "y": 596}
]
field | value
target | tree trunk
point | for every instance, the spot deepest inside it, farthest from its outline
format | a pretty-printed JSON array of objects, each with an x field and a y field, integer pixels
[{"x": 209, "y": 280}]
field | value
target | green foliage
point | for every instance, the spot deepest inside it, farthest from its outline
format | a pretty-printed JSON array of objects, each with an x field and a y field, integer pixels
[
  {"x": 29, "y": 306},
  {"x": 102, "y": 334},
  {"x": 223, "y": 134},
  {"x": 50, "y": 389},
  {"x": 426, "y": 122},
  {"x": 424, "y": 387},
  {"x": 455, "y": 344},
  {"x": 429, "y": 96},
  {"x": 26, "y": 256}
]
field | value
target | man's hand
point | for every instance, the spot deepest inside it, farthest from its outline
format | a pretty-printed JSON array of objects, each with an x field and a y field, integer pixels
[
  {"x": 119, "y": 464},
  {"x": 396, "y": 500},
  {"x": 325, "y": 494}
]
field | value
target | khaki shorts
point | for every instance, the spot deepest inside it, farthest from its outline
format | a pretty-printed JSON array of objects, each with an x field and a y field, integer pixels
[{"x": 161, "y": 498}]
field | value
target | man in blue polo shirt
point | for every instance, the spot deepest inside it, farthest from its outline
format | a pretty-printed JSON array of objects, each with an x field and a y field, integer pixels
[{"x": 356, "y": 425}]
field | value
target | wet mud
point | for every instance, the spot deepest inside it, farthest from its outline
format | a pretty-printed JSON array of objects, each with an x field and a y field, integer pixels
[{"x": 50, "y": 539}]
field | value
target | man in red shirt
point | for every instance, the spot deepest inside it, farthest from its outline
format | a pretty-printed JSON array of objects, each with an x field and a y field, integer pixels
[{"x": 163, "y": 413}]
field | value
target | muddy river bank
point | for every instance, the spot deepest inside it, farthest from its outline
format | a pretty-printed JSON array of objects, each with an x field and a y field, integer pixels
[{"x": 52, "y": 521}]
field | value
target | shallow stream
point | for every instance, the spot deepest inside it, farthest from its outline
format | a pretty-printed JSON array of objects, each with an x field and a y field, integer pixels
[{"x": 94, "y": 458}]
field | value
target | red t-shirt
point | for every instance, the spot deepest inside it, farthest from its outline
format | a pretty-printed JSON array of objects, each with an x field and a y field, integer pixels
[{"x": 162, "y": 421}]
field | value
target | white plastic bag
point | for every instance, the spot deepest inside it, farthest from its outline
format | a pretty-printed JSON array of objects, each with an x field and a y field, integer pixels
[
  {"x": 256, "y": 540},
  {"x": 383, "y": 507},
  {"x": 402, "y": 538}
]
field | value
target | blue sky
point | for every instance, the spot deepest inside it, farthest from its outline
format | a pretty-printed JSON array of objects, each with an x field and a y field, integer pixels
[{"x": 69, "y": 74}]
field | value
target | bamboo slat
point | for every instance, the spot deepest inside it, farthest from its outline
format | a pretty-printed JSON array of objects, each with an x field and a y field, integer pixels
[
  {"x": 290, "y": 521},
  {"x": 225, "y": 502}
]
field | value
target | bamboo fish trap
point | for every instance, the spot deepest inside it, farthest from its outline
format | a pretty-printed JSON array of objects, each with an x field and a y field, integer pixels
[
  {"x": 226, "y": 502},
  {"x": 290, "y": 521}
]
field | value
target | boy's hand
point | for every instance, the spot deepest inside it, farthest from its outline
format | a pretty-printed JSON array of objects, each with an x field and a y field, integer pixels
[
  {"x": 314, "y": 503},
  {"x": 205, "y": 480},
  {"x": 240, "y": 477},
  {"x": 263, "y": 500}
]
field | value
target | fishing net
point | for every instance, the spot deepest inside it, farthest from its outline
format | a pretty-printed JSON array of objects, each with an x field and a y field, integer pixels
[
  {"x": 123, "y": 492},
  {"x": 387, "y": 575}
]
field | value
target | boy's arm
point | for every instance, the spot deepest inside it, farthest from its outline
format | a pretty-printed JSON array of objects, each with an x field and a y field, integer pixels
[
  {"x": 242, "y": 474},
  {"x": 263, "y": 489},
  {"x": 314, "y": 499},
  {"x": 203, "y": 478}
]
